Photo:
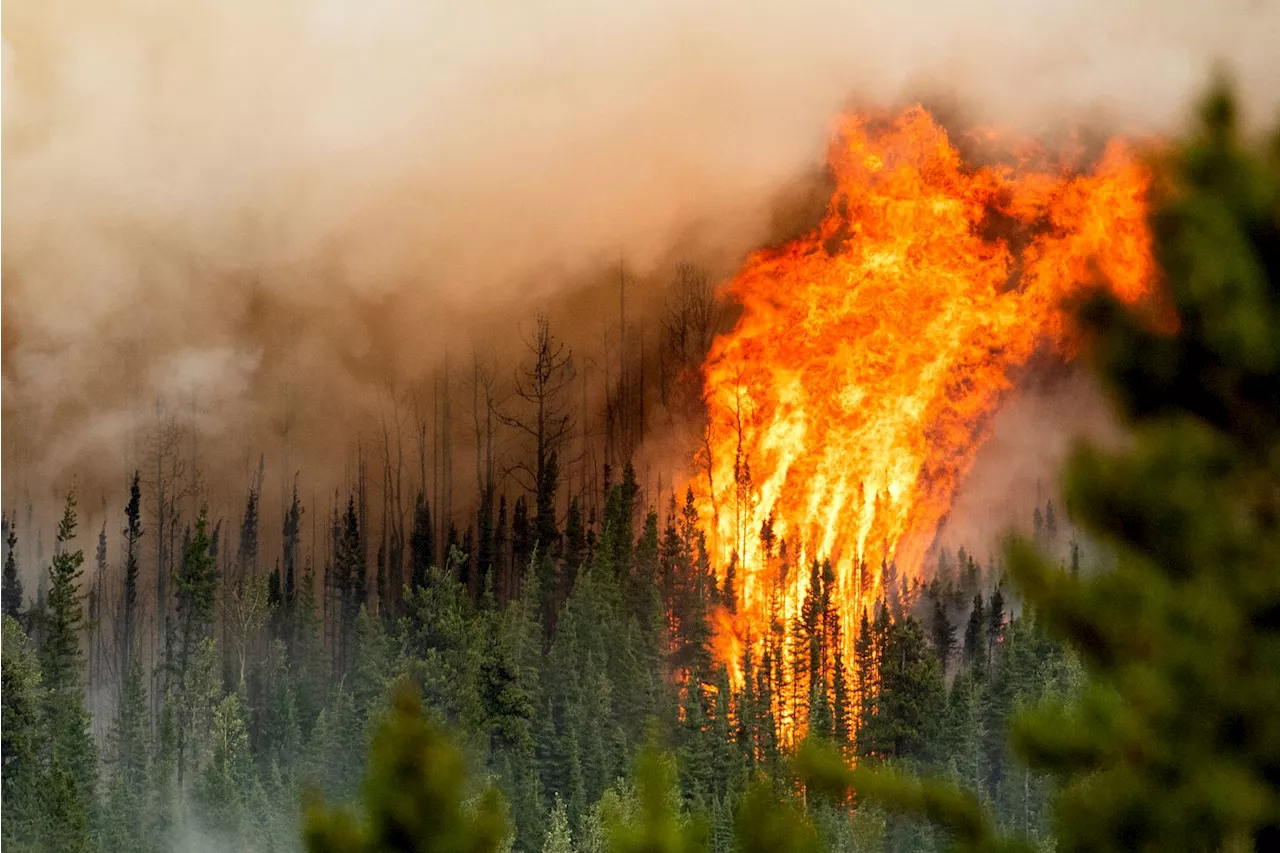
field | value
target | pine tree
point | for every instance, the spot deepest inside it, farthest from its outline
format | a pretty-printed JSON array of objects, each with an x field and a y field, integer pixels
[
  {"x": 910, "y": 698},
  {"x": 975, "y": 637},
  {"x": 128, "y": 818},
  {"x": 548, "y": 534},
  {"x": 71, "y": 748},
  {"x": 290, "y": 550},
  {"x": 11, "y": 590},
  {"x": 619, "y": 511},
  {"x": 575, "y": 543},
  {"x": 522, "y": 543},
  {"x": 195, "y": 586},
  {"x": 310, "y": 663},
  {"x": 129, "y": 609},
  {"x": 943, "y": 635},
  {"x": 840, "y": 699},
  {"x": 995, "y": 626},
  {"x": 421, "y": 544},
  {"x": 729, "y": 593},
  {"x": 348, "y": 581}
]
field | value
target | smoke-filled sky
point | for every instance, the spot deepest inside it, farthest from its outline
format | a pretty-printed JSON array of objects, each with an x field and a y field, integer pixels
[{"x": 210, "y": 196}]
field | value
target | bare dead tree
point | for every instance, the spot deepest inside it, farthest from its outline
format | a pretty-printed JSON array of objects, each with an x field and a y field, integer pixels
[
  {"x": 171, "y": 484},
  {"x": 541, "y": 383},
  {"x": 547, "y": 420},
  {"x": 394, "y": 512},
  {"x": 487, "y": 398}
]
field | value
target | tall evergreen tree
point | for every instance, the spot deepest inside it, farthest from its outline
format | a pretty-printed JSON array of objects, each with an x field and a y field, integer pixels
[
  {"x": 422, "y": 548},
  {"x": 907, "y": 702},
  {"x": 995, "y": 625},
  {"x": 70, "y": 747},
  {"x": 975, "y": 637},
  {"x": 943, "y": 633},
  {"x": 129, "y": 625},
  {"x": 128, "y": 821},
  {"x": 11, "y": 588},
  {"x": 290, "y": 550},
  {"x": 195, "y": 586}
]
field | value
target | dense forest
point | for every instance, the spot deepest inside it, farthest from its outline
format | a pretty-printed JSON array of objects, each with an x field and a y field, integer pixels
[
  {"x": 562, "y": 641},
  {"x": 553, "y": 665}
]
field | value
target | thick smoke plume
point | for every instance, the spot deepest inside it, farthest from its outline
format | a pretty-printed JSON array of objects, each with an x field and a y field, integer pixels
[{"x": 276, "y": 211}]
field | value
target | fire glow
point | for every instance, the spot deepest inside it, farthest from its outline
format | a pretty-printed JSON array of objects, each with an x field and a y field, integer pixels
[{"x": 848, "y": 402}]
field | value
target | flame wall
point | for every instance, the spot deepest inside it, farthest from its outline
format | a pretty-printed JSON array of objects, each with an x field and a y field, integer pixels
[{"x": 848, "y": 402}]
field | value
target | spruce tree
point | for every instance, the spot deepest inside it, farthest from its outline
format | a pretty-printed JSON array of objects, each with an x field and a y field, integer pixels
[
  {"x": 421, "y": 544},
  {"x": 908, "y": 702},
  {"x": 290, "y": 553},
  {"x": 975, "y": 637},
  {"x": 128, "y": 816},
  {"x": 71, "y": 748},
  {"x": 195, "y": 586},
  {"x": 11, "y": 588},
  {"x": 129, "y": 605},
  {"x": 943, "y": 634},
  {"x": 995, "y": 626}
]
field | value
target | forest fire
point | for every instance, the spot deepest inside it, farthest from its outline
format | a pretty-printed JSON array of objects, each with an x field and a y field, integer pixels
[{"x": 848, "y": 402}]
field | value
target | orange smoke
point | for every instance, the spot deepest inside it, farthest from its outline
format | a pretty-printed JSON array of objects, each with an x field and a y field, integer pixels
[{"x": 849, "y": 400}]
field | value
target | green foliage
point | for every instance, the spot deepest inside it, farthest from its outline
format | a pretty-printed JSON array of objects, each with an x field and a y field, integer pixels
[
  {"x": 11, "y": 585},
  {"x": 413, "y": 796},
  {"x": 226, "y": 779},
  {"x": 70, "y": 748},
  {"x": 899, "y": 718},
  {"x": 127, "y": 811},
  {"x": 767, "y": 822},
  {"x": 559, "y": 839},
  {"x": 656, "y": 824},
  {"x": 23, "y": 732}
]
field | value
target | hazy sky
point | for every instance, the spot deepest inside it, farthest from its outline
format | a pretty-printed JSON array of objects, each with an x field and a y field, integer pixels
[{"x": 210, "y": 195}]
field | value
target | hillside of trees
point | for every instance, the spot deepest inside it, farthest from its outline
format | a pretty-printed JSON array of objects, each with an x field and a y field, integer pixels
[{"x": 271, "y": 686}]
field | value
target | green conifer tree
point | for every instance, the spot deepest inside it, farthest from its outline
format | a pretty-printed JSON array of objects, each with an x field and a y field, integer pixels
[
  {"x": 71, "y": 748},
  {"x": 11, "y": 585}
]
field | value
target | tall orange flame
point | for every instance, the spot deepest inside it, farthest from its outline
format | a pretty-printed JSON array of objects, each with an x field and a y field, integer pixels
[{"x": 849, "y": 400}]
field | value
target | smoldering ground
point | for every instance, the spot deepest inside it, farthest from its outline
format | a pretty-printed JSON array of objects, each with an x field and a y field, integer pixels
[{"x": 268, "y": 214}]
